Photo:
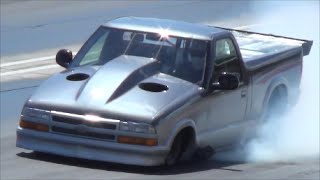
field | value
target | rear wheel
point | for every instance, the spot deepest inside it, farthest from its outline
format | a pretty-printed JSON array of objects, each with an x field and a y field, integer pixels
[
  {"x": 277, "y": 104},
  {"x": 275, "y": 108}
]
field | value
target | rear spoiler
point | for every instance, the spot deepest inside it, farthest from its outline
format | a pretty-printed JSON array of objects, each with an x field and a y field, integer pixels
[{"x": 306, "y": 45}]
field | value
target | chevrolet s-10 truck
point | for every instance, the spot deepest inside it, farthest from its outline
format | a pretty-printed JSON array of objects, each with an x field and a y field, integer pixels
[{"x": 147, "y": 91}]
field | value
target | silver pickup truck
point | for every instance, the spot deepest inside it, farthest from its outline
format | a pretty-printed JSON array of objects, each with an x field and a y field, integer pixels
[{"x": 148, "y": 91}]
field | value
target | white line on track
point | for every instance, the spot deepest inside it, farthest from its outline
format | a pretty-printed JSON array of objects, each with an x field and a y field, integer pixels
[
  {"x": 27, "y": 61},
  {"x": 247, "y": 26},
  {"x": 20, "y": 62},
  {"x": 20, "y": 71}
]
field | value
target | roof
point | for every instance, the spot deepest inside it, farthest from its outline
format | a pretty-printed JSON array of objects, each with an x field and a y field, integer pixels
[{"x": 171, "y": 27}]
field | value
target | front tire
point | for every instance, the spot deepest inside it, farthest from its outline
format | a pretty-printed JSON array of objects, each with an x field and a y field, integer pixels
[{"x": 176, "y": 151}]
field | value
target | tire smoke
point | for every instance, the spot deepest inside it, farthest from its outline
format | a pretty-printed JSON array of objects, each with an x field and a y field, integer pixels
[{"x": 295, "y": 136}]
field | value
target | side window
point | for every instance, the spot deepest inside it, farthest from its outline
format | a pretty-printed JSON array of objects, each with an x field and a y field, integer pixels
[
  {"x": 226, "y": 59},
  {"x": 94, "y": 52},
  {"x": 225, "y": 51}
]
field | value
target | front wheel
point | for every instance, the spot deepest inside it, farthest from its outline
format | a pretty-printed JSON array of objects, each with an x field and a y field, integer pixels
[{"x": 176, "y": 151}]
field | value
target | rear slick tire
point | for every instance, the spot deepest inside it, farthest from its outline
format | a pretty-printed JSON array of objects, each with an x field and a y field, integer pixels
[{"x": 278, "y": 104}]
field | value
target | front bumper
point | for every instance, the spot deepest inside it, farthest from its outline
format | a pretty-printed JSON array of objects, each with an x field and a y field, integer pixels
[{"x": 90, "y": 149}]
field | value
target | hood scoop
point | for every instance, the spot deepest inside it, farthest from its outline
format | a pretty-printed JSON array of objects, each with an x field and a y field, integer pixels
[
  {"x": 77, "y": 77},
  {"x": 153, "y": 87}
]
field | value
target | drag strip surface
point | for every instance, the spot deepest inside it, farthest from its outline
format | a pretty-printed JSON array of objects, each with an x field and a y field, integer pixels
[{"x": 31, "y": 36}]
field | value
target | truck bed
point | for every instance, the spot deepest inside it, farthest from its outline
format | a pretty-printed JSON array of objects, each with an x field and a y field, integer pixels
[{"x": 257, "y": 46}]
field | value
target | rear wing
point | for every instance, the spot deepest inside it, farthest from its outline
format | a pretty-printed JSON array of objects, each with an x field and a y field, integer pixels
[{"x": 306, "y": 44}]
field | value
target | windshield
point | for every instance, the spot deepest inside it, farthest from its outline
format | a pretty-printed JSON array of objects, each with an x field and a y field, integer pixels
[{"x": 179, "y": 57}]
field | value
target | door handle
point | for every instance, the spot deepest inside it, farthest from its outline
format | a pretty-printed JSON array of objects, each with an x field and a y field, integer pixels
[{"x": 243, "y": 93}]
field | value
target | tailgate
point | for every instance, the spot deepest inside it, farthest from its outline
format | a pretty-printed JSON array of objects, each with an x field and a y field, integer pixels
[{"x": 268, "y": 43}]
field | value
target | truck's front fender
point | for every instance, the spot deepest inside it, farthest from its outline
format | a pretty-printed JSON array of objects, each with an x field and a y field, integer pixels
[{"x": 178, "y": 128}]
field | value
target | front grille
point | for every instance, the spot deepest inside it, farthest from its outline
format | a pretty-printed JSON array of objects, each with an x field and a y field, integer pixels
[
  {"x": 77, "y": 125},
  {"x": 82, "y": 133},
  {"x": 67, "y": 120}
]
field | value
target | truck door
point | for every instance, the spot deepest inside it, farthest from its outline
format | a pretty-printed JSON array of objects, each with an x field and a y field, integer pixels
[{"x": 226, "y": 108}]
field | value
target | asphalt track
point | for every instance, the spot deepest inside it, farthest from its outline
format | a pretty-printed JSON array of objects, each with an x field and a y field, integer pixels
[{"x": 32, "y": 32}]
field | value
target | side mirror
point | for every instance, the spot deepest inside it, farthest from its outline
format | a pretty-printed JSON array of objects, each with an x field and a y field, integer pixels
[
  {"x": 226, "y": 81},
  {"x": 64, "y": 57}
]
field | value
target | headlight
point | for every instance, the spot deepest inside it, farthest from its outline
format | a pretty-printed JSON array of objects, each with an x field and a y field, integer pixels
[
  {"x": 35, "y": 114},
  {"x": 35, "y": 119},
  {"x": 137, "y": 127}
]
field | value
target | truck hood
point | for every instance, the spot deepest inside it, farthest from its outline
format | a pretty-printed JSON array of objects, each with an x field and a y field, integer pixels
[{"x": 126, "y": 88}]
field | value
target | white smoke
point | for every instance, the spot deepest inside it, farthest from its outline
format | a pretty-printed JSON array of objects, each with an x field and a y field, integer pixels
[{"x": 295, "y": 136}]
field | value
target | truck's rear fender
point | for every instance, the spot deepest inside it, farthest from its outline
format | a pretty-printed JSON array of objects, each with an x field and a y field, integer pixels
[
  {"x": 275, "y": 83},
  {"x": 258, "y": 109},
  {"x": 261, "y": 92},
  {"x": 286, "y": 72}
]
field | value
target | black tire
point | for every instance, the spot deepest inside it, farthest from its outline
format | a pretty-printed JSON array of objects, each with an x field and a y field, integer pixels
[
  {"x": 203, "y": 154},
  {"x": 277, "y": 104},
  {"x": 39, "y": 154},
  {"x": 275, "y": 108},
  {"x": 176, "y": 151}
]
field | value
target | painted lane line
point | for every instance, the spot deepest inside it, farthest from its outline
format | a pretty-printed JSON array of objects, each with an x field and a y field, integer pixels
[
  {"x": 29, "y": 70},
  {"x": 27, "y": 61},
  {"x": 247, "y": 26},
  {"x": 30, "y": 60}
]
